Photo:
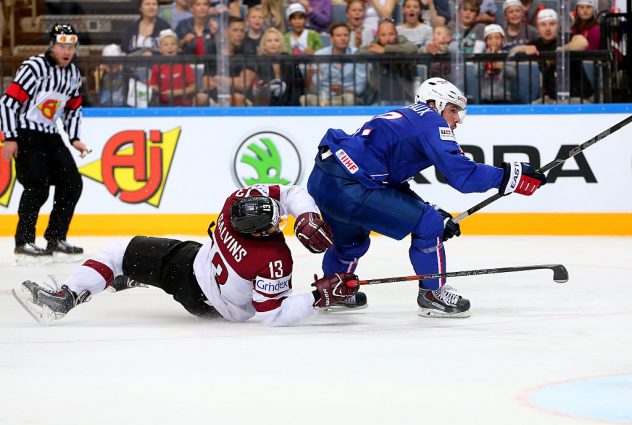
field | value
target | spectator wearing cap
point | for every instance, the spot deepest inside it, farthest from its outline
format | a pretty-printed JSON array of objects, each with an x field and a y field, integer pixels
[
  {"x": 174, "y": 83},
  {"x": 517, "y": 32},
  {"x": 580, "y": 87},
  {"x": 111, "y": 79},
  {"x": 300, "y": 40},
  {"x": 196, "y": 33},
  {"x": 318, "y": 14},
  {"x": 495, "y": 76},
  {"x": 586, "y": 23},
  {"x": 141, "y": 37},
  {"x": 532, "y": 8}
]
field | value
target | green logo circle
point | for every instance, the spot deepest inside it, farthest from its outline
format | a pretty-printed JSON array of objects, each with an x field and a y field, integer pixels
[{"x": 267, "y": 157}]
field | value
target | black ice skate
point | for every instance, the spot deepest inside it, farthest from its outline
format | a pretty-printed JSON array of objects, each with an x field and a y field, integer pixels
[
  {"x": 356, "y": 302},
  {"x": 31, "y": 253},
  {"x": 121, "y": 283},
  {"x": 47, "y": 305},
  {"x": 63, "y": 251},
  {"x": 444, "y": 302}
]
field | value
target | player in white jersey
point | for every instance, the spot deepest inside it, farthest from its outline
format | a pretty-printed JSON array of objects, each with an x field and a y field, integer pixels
[
  {"x": 46, "y": 89},
  {"x": 243, "y": 270}
]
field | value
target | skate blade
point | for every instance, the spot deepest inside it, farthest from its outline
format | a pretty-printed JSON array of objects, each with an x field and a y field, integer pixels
[
  {"x": 42, "y": 315},
  {"x": 337, "y": 308},
  {"x": 29, "y": 260},
  {"x": 431, "y": 312},
  {"x": 60, "y": 257}
]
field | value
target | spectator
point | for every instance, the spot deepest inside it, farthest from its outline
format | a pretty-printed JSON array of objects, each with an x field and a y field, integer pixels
[
  {"x": 273, "y": 14},
  {"x": 336, "y": 83},
  {"x": 277, "y": 83},
  {"x": 196, "y": 33},
  {"x": 586, "y": 23},
  {"x": 391, "y": 79},
  {"x": 173, "y": 83},
  {"x": 487, "y": 14},
  {"x": 441, "y": 39},
  {"x": 495, "y": 75},
  {"x": 580, "y": 87},
  {"x": 217, "y": 7},
  {"x": 299, "y": 40},
  {"x": 532, "y": 8},
  {"x": 517, "y": 32},
  {"x": 240, "y": 78},
  {"x": 413, "y": 27},
  {"x": 254, "y": 30},
  {"x": 377, "y": 10},
  {"x": 141, "y": 37},
  {"x": 111, "y": 79},
  {"x": 175, "y": 12},
  {"x": 435, "y": 12},
  {"x": 318, "y": 14},
  {"x": 361, "y": 36},
  {"x": 469, "y": 37}
]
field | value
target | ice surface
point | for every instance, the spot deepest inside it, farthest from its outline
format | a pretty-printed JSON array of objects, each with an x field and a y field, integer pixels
[{"x": 137, "y": 357}]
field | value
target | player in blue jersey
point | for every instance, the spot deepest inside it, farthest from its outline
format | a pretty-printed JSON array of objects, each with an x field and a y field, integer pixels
[{"x": 360, "y": 184}]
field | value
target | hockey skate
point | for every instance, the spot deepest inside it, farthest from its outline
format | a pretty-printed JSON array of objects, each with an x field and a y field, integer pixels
[
  {"x": 46, "y": 305},
  {"x": 356, "y": 302},
  {"x": 121, "y": 283},
  {"x": 443, "y": 302},
  {"x": 62, "y": 251},
  {"x": 30, "y": 253}
]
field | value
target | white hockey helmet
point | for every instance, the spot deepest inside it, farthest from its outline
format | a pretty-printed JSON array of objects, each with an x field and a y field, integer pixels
[{"x": 441, "y": 92}]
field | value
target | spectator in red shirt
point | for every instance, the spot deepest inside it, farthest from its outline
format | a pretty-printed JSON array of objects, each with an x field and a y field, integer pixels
[
  {"x": 174, "y": 82},
  {"x": 586, "y": 23}
]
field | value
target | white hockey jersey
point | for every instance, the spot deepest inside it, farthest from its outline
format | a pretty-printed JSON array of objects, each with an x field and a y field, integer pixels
[{"x": 244, "y": 276}]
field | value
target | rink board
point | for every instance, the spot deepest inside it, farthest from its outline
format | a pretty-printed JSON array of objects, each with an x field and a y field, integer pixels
[{"x": 168, "y": 170}]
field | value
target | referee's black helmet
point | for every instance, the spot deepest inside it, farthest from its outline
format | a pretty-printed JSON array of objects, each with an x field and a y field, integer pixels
[{"x": 63, "y": 33}]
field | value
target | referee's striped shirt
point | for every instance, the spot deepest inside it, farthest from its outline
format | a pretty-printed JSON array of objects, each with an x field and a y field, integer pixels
[{"x": 41, "y": 93}]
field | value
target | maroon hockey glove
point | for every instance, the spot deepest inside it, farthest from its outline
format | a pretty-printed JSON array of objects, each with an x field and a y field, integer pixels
[
  {"x": 313, "y": 232},
  {"x": 522, "y": 178},
  {"x": 335, "y": 288}
]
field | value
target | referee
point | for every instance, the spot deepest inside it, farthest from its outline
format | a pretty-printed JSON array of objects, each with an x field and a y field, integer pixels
[{"x": 45, "y": 90}]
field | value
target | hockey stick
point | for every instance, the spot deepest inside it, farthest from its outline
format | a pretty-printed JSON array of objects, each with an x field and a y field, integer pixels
[
  {"x": 560, "y": 274},
  {"x": 547, "y": 167}
]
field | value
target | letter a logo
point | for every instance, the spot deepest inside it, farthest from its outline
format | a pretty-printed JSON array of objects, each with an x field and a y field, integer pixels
[{"x": 49, "y": 108}]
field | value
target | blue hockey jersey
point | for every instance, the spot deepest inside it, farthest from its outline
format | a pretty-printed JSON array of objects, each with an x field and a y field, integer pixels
[{"x": 392, "y": 148}]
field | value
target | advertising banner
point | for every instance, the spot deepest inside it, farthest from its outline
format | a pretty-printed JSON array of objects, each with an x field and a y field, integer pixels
[{"x": 175, "y": 172}]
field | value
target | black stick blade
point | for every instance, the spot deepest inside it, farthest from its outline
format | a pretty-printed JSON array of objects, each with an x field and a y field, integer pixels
[{"x": 560, "y": 274}]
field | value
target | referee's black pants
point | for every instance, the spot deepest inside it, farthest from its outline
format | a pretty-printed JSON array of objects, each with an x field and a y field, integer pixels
[{"x": 43, "y": 161}]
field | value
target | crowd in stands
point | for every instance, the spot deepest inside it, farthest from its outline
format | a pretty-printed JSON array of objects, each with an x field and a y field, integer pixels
[{"x": 274, "y": 30}]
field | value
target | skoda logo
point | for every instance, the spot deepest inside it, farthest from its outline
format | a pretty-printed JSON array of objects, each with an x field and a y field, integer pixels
[{"x": 267, "y": 157}]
